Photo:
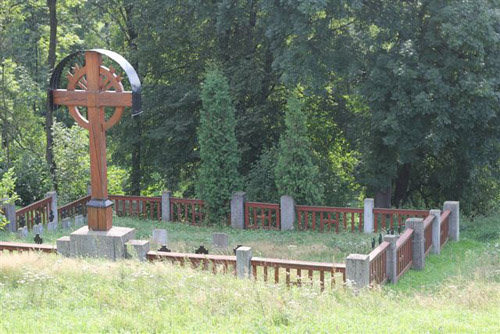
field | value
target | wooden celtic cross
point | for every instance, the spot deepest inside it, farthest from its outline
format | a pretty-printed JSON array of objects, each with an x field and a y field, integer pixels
[{"x": 95, "y": 87}]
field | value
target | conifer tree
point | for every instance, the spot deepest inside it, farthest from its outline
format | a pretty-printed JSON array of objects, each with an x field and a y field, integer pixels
[
  {"x": 296, "y": 175},
  {"x": 220, "y": 158}
]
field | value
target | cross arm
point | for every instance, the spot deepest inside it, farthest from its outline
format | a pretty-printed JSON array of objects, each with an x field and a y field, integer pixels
[{"x": 87, "y": 98}]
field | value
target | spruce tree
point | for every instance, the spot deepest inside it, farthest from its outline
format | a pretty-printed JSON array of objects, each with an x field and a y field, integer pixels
[
  {"x": 296, "y": 175},
  {"x": 220, "y": 158}
]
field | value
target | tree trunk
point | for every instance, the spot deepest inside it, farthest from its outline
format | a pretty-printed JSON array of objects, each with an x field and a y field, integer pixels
[
  {"x": 49, "y": 117},
  {"x": 383, "y": 198},
  {"x": 401, "y": 187}
]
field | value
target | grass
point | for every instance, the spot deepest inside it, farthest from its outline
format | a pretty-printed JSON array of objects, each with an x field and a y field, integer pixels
[
  {"x": 457, "y": 292},
  {"x": 296, "y": 245}
]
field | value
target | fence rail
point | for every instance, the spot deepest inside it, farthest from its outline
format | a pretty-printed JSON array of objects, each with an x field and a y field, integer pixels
[
  {"x": 187, "y": 210},
  {"x": 445, "y": 227},
  {"x": 25, "y": 247},
  {"x": 137, "y": 206},
  {"x": 35, "y": 213},
  {"x": 428, "y": 233},
  {"x": 404, "y": 252},
  {"x": 319, "y": 217},
  {"x": 378, "y": 263},
  {"x": 76, "y": 207},
  {"x": 397, "y": 216},
  {"x": 262, "y": 215}
]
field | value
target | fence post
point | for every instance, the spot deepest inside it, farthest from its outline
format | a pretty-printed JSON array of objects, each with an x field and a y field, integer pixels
[
  {"x": 392, "y": 254},
  {"x": 165, "y": 206},
  {"x": 357, "y": 268},
  {"x": 89, "y": 190},
  {"x": 454, "y": 230},
  {"x": 238, "y": 209},
  {"x": 368, "y": 215},
  {"x": 52, "y": 225},
  {"x": 10, "y": 213},
  {"x": 436, "y": 231},
  {"x": 287, "y": 208},
  {"x": 244, "y": 262},
  {"x": 418, "y": 242}
]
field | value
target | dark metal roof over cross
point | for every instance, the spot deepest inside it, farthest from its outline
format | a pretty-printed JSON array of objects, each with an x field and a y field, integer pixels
[{"x": 99, "y": 87}]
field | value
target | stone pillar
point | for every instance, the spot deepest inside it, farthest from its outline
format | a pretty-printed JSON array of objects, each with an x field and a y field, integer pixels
[
  {"x": 418, "y": 242},
  {"x": 66, "y": 223},
  {"x": 244, "y": 262},
  {"x": 10, "y": 213},
  {"x": 454, "y": 230},
  {"x": 358, "y": 269},
  {"x": 287, "y": 208},
  {"x": 392, "y": 258},
  {"x": 137, "y": 249},
  {"x": 165, "y": 206},
  {"x": 369, "y": 222},
  {"x": 220, "y": 240},
  {"x": 238, "y": 209},
  {"x": 51, "y": 226},
  {"x": 436, "y": 231}
]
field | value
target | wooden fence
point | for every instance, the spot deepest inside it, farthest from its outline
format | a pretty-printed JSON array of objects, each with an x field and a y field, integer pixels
[
  {"x": 428, "y": 233},
  {"x": 35, "y": 213},
  {"x": 262, "y": 215},
  {"x": 137, "y": 206},
  {"x": 385, "y": 219},
  {"x": 404, "y": 253},
  {"x": 319, "y": 217},
  {"x": 187, "y": 210},
  {"x": 78, "y": 207},
  {"x": 378, "y": 263},
  {"x": 445, "y": 227},
  {"x": 25, "y": 247}
]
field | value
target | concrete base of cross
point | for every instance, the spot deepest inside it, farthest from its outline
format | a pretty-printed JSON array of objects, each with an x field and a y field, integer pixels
[{"x": 104, "y": 244}]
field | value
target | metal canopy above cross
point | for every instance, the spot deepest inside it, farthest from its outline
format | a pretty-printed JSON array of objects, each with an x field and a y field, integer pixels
[{"x": 99, "y": 87}]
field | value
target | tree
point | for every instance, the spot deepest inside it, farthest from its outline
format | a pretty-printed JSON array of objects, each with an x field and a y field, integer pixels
[
  {"x": 220, "y": 158},
  {"x": 296, "y": 175}
]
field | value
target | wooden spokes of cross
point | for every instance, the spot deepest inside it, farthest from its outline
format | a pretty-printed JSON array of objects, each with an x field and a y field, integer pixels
[{"x": 95, "y": 87}]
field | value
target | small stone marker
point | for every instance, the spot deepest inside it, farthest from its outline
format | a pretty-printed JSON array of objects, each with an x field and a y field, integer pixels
[
  {"x": 79, "y": 221},
  {"x": 37, "y": 239},
  {"x": 220, "y": 240},
  {"x": 22, "y": 232},
  {"x": 137, "y": 248},
  {"x": 160, "y": 237},
  {"x": 38, "y": 229},
  {"x": 52, "y": 226},
  {"x": 66, "y": 223},
  {"x": 244, "y": 262}
]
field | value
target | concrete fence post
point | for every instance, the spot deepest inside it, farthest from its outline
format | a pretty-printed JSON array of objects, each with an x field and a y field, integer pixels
[
  {"x": 436, "y": 231},
  {"x": 454, "y": 230},
  {"x": 51, "y": 226},
  {"x": 165, "y": 206},
  {"x": 238, "y": 209},
  {"x": 244, "y": 262},
  {"x": 369, "y": 221},
  {"x": 357, "y": 267},
  {"x": 392, "y": 258},
  {"x": 89, "y": 190},
  {"x": 10, "y": 214},
  {"x": 287, "y": 211},
  {"x": 418, "y": 242}
]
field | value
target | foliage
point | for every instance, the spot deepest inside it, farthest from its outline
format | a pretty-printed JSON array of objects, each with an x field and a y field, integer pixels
[
  {"x": 218, "y": 173},
  {"x": 295, "y": 172},
  {"x": 71, "y": 154},
  {"x": 260, "y": 181},
  {"x": 7, "y": 194}
]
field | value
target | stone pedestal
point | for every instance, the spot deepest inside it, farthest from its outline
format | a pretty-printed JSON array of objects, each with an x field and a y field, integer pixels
[
  {"x": 105, "y": 244},
  {"x": 220, "y": 240},
  {"x": 238, "y": 210}
]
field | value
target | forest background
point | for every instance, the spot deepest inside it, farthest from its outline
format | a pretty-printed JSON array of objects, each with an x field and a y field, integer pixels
[{"x": 400, "y": 98}]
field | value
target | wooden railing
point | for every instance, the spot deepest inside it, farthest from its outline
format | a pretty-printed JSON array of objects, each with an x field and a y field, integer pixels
[
  {"x": 321, "y": 217},
  {"x": 445, "y": 226},
  {"x": 306, "y": 272},
  {"x": 404, "y": 252},
  {"x": 378, "y": 263},
  {"x": 398, "y": 216},
  {"x": 78, "y": 207},
  {"x": 187, "y": 210},
  {"x": 35, "y": 213},
  {"x": 262, "y": 215},
  {"x": 428, "y": 233},
  {"x": 25, "y": 247},
  {"x": 137, "y": 206}
]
